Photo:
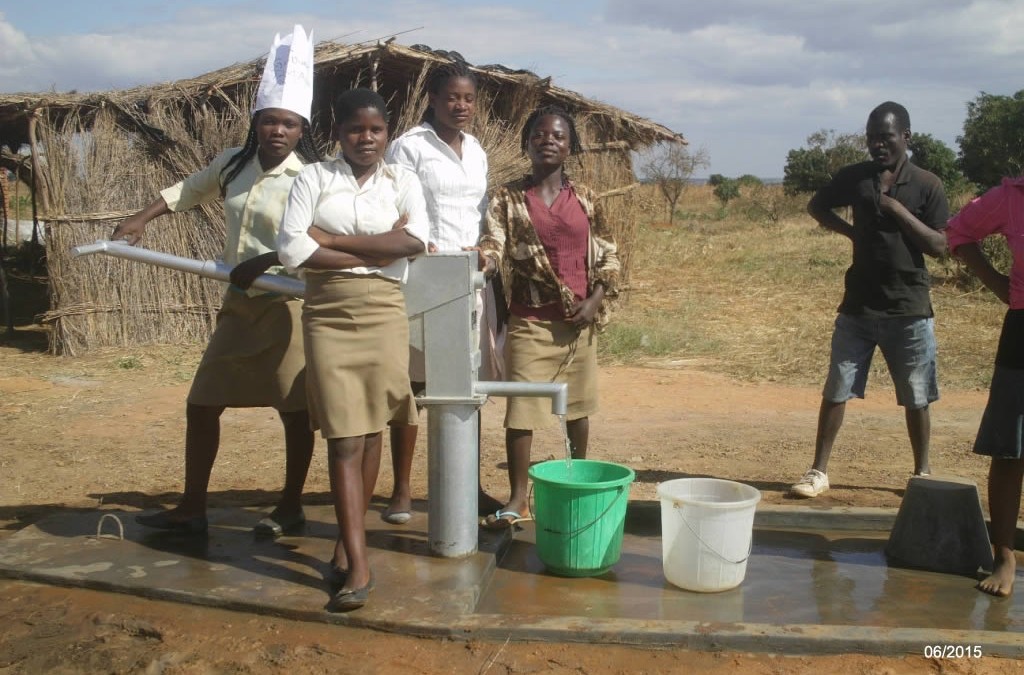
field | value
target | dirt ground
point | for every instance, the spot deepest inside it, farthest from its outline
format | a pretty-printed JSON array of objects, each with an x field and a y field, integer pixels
[{"x": 107, "y": 430}]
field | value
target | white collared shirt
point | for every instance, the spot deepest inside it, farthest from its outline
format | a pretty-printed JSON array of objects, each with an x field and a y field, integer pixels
[
  {"x": 455, "y": 189},
  {"x": 326, "y": 194}
]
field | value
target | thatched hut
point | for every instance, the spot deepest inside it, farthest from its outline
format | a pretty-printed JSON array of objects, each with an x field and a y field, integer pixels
[{"x": 96, "y": 158}]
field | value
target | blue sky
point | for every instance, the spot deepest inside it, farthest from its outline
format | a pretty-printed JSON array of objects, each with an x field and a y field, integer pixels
[{"x": 748, "y": 80}]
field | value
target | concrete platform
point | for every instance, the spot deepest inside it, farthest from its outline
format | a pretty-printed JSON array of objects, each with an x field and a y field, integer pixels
[{"x": 817, "y": 582}]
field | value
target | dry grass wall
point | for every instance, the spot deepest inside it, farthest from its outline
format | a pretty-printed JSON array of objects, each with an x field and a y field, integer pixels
[{"x": 104, "y": 167}]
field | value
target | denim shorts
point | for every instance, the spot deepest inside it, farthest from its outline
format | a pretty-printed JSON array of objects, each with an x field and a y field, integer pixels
[{"x": 908, "y": 345}]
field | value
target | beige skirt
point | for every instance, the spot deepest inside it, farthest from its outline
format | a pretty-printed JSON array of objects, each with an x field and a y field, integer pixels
[
  {"x": 255, "y": 357},
  {"x": 550, "y": 351},
  {"x": 357, "y": 349}
]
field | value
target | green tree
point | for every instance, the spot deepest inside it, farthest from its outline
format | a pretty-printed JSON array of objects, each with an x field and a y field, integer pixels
[
  {"x": 933, "y": 155},
  {"x": 670, "y": 166},
  {"x": 749, "y": 180},
  {"x": 992, "y": 145},
  {"x": 727, "y": 189},
  {"x": 808, "y": 169},
  {"x": 716, "y": 179}
]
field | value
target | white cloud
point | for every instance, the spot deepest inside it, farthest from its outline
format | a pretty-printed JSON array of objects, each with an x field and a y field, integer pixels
[{"x": 749, "y": 79}]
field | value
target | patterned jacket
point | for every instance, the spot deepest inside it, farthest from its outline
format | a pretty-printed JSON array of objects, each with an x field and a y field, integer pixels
[{"x": 511, "y": 240}]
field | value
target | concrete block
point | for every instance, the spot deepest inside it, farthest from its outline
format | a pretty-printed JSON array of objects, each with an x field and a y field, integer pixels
[{"x": 940, "y": 527}]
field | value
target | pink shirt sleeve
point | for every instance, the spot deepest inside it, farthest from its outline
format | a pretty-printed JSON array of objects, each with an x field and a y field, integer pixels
[
  {"x": 998, "y": 211},
  {"x": 986, "y": 215}
]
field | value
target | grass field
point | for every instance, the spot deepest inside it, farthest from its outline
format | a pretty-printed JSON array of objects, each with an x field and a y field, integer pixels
[{"x": 751, "y": 290}]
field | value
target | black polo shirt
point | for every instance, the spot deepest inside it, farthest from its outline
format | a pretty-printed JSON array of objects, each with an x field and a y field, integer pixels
[{"x": 888, "y": 277}]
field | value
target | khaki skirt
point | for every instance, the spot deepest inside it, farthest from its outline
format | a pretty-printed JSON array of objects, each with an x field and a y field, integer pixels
[
  {"x": 255, "y": 357},
  {"x": 550, "y": 351},
  {"x": 357, "y": 350}
]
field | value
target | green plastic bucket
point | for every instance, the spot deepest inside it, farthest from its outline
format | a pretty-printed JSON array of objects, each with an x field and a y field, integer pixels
[{"x": 580, "y": 514}]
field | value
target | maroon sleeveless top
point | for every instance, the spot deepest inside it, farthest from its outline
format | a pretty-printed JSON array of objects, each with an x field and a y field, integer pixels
[{"x": 564, "y": 230}]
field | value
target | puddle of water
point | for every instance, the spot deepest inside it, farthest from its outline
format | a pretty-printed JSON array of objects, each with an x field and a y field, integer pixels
[{"x": 793, "y": 577}]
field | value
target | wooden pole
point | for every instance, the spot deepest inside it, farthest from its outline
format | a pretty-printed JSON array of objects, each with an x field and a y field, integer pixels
[
  {"x": 17, "y": 208},
  {"x": 374, "y": 66},
  {"x": 5, "y": 197},
  {"x": 40, "y": 187},
  {"x": 6, "y": 296},
  {"x": 39, "y": 193},
  {"x": 619, "y": 191}
]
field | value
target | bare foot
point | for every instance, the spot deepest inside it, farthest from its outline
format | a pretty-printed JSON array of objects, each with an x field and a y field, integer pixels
[{"x": 1000, "y": 582}]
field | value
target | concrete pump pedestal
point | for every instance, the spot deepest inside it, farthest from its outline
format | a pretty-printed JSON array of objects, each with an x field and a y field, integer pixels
[{"x": 940, "y": 527}]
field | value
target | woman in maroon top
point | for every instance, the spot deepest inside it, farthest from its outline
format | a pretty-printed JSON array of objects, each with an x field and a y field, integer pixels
[{"x": 558, "y": 263}]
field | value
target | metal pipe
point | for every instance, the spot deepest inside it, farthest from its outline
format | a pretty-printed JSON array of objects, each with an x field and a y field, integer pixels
[
  {"x": 558, "y": 392},
  {"x": 453, "y": 480},
  {"x": 436, "y": 294},
  {"x": 210, "y": 269}
]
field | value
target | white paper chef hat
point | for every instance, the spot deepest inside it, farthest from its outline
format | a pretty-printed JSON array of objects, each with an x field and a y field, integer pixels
[{"x": 288, "y": 75}]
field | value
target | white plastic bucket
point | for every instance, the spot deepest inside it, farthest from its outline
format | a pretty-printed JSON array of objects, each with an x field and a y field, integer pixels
[{"x": 707, "y": 527}]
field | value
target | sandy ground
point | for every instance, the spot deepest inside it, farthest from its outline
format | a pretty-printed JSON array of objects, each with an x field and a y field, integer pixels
[{"x": 108, "y": 430}]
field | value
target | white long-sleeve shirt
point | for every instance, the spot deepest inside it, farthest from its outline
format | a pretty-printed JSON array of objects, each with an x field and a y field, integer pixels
[
  {"x": 455, "y": 189},
  {"x": 327, "y": 195}
]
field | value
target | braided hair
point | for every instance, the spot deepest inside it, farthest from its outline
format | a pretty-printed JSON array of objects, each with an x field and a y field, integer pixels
[
  {"x": 440, "y": 76},
  {"x": 305, "y": 150},
  {"x": 575, "y": 147}
]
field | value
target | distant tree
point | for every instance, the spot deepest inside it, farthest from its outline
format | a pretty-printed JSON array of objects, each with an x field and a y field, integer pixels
[
  {"x": 670, "y": 166},
  {"x": 933, "y": 155},
  {"x": 992, "y": 145},
  {"x": 727, "y": 189},
  {"x": 716, "y": 179},
  {"x": 806, "y": 170},
  {"x": 810, "y": 168},
  {"x": 749, "y": 180}
]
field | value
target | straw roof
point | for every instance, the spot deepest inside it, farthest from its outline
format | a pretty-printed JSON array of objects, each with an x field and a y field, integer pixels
[
  {"x": 335, "y": 62},
  {"x": 98, "y": 157}
]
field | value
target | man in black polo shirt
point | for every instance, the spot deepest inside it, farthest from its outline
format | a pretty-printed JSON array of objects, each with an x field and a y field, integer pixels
[{"x": 899, "y": 215}]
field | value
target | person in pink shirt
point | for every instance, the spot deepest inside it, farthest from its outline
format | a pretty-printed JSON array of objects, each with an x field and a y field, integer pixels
[{"x": 1000, "y": 211}]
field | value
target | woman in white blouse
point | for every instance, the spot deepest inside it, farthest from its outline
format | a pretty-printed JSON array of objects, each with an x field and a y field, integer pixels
[
  {"x": 350, "y": 225},
  {"x": 452, "y": 166}
]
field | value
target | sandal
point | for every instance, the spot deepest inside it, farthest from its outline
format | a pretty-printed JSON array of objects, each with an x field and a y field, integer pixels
[{"x": 502, "y": 519}]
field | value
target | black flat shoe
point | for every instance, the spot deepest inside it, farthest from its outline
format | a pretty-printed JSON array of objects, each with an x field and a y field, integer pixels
[
  {"x": 337, "y": 576},
  {"x": 348, "y": 600},
  {"x": 161, "y": 520}
]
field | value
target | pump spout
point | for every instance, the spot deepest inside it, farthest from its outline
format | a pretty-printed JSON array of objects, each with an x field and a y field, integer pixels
[{"x": 558, "y": 392}]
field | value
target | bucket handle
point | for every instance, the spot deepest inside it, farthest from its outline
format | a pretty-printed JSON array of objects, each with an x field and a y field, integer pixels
[
  {"x": 742, "y": 560},
  {"x": 622, "y": 491}
]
